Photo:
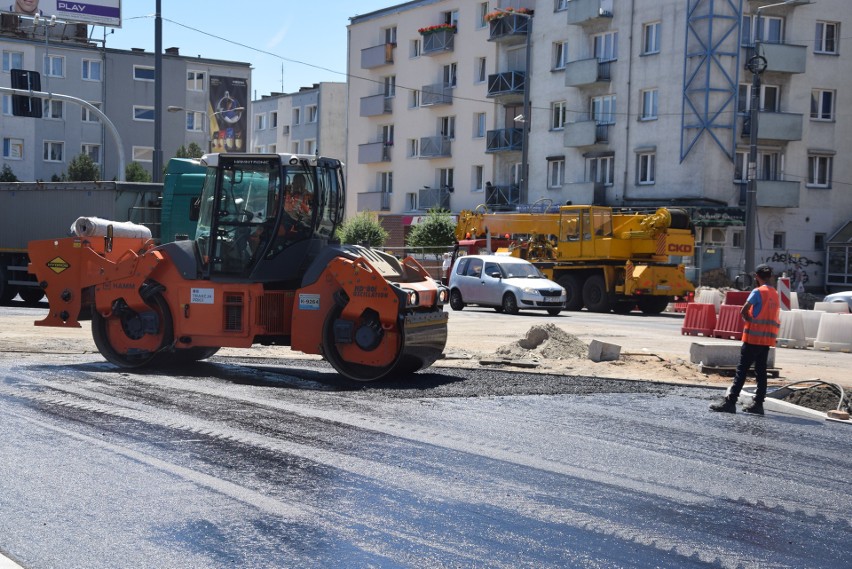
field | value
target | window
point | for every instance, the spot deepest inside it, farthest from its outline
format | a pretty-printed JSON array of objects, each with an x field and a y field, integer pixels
[
  {"x": 481, "y": 11},
  {"x": 411, "y": 201},
  {"x": 310, "y": 147},
  {"x": 737, "y": 239},
  {"x": 767, "y": 166},
  {"x": 195, "y": 121},
  {"x": 141, "y": 73},
  {"x": 771, "y": 29},
  {"x": 93, "y": 151},
  {"x": 413, "y": 99},
  {"x": 649, "y": 105},
  {"x": 143, "y": 153},
  {"x": 260, "y": 149},
  {"x": 555, "y": 173},
  {"x": 413, "y": 148},
  {"x": 312, "y": 109},
  {"x": 779, "y": 240},
  {"x": 294, "y": 147},
  {"x": 646, "y": 164},
  {"x": 826, "y": 37},
  {"x": 606, "y": 46},
  {"x": 54, "y": 66},
  {"x": 560, "y": 5},
  {"x": 451, "y": 17},
  {"x": 819, "y": 241},
  {"x": 387, "y": 134},
  {"x": 448, "y": 127},
  {"x": 558, "y": 115},
  {"x": 603, "y": 109},
  {"x": 477, "y": 177},
  {"x": 260, "y": 121},
  {"x": 478, "y": 125},
  {"x": 770, "y": 98},
  {"x": 386, "y": 182},
  {"x": 449, "y": 74},
  {"x": 481, "y": 73},
  {"x": 560, "y": 54},
  {"x": 92, "y": 69},
  {"x": 297, "y": 116},
  {"x": 600, "y": 170},
  {"x": 819, "y": 171},
  {"x": 414, "y": 49},
  {"x": 651, "y": 38},
  {"x": 389, "y": 87},
  {"x": 12, "y": 60},
  {"x": 445, "y": 177},
  {"x": 143, "y": 113},
  {"x": 86, "y": 115},
  {"x": 53, "y": 151},
  {"x": 273, "y": 119},
  {"x": 822, "y": 104},
  {"x": 390, "y": 35},
  {"x": 7, "y": 105},
  {"x": 13, "y": 148},
  {"x": 194, "y": 80},
  {"x": 51, "y": 109}
]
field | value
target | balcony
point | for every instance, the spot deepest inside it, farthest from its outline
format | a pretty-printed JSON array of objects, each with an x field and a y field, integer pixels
[
  {"x": 773, "y": 193},
  {"x": 434, "y": 198},
  {"x": 775, "y": 126},
  {"x": 437, "y": 94},
  {"x": 435, "y": 147},
  {"x": 374, "y": 201},
  {"x": 502, "y": 198},
  {"x": 585, "y": 72},
  {"x": 373, "y": 152},
  {"x": 376, "y": 105},
  {"x": 586, "y": 133},
  {"x": 504, "y": 140},
  {"x": 781, "y": 57},
  {"x": 582, "y": 12},
  {"x": 508, "y": 84},
  {"x": 377, "y": 56},
  {"x": 437, "y": 42},
  {"x": 509, "y": 29}
]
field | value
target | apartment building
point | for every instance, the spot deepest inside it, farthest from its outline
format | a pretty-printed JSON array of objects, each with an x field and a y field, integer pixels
[
  {"x": 628, "y": 103},
  {"x": 207, "y": 100},
  {"x": 309, "y": 121}
]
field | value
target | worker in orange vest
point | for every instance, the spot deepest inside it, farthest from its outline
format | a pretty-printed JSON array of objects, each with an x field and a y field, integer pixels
[{"x": 761, "y": 314}]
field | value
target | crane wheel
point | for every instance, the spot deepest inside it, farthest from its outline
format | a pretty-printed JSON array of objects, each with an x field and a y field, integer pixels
[{"x": 132, "y": 340}]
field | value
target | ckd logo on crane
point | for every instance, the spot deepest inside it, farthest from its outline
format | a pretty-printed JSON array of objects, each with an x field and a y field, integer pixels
[{"x": 680, "y": 249}]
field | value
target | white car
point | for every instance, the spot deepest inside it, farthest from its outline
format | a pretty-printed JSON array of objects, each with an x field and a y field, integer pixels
[
  {"x": 507, "y": 284},
  {"x": 845, "y": 296}
]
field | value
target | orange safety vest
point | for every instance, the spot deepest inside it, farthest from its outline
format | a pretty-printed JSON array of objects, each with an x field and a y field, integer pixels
[{"x": 764, "y": 329}]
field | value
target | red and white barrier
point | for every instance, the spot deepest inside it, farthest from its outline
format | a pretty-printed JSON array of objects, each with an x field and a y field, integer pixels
[{"x": 784, "y": 292}]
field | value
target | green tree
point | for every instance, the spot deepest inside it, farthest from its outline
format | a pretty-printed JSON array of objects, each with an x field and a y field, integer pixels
[
  {"x": 6, "y": 174},
  {"x": 194, "y": 151},
  {"x": 134, "y": 172},
  {"x": 435, "y": 234},
  {"x": 83, "y": 169},
  {"x": 364, "y": 227}
]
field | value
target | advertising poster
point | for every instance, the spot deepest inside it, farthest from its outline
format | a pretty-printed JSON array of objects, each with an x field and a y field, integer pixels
[
  {"x": 93, "y": 12},
  {"x": 227, "y": 112}
]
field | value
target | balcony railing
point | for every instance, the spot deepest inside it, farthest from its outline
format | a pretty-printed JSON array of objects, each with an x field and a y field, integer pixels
[
  {"x": 781, "y": 57},
  {"x": 507, "y": 83},
  {"x": 376, "y": 105},
  {"x": 587, "y": 72},
  {"x": 438, "y": 42},
  {"x": 435, "y": 147},
  {"x": 504, "y": 140},
  {"x": 374, "y": 201},
  {"x": 377, "y": 55},
  {"x": 373, "y": 152},
  {"x": 510, "y": 28},
  {"x": 505, "y": 198},
  {"x": 773, "y": 193},
  {"x": 437, "y": 94},
  {"x": 432, "y": 198},
  {"x": 775, "y": 126},
  {"x": 586, "y": 132},
  {"x": 587, "y": 11}
]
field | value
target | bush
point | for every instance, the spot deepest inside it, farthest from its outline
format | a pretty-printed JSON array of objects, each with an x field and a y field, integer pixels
[
  {"x": 83, "y": 169},
  {"x": 435, "y": 234},
  {"x": 6, "y": 174},
  {"x": 364, "y": 227},
  {"x": 134, "y": 172}
]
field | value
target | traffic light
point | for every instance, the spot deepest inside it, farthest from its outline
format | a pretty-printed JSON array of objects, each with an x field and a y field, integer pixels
[{"x": 23, "y": 106}]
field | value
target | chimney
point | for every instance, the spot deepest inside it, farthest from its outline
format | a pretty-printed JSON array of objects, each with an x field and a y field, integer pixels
[{"x": 172, "y": 51}]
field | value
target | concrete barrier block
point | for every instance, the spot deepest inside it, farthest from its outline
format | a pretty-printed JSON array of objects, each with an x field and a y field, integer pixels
[
  {"x": 603, "y": 352},
  {"x": 720, "y": 355}
]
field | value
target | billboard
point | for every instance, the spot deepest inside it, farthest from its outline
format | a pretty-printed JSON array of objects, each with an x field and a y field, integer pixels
[
  {"x": 93, "y": 12},
  {"x": 227, "y": 110}
]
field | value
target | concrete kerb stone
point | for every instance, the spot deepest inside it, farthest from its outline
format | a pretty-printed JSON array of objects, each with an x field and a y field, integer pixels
[
  {"x": 713, "y": 354},
  {"x": 603, "y": 352}
]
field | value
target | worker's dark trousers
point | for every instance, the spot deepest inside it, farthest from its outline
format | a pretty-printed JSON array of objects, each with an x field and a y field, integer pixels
[{"x": 751, "y": 354}]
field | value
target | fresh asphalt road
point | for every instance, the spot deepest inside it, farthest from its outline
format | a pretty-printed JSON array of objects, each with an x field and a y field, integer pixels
[{"x": 262, "y": 463}]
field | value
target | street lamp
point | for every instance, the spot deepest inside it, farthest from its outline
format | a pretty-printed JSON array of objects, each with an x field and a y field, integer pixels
[{"x": 757, "y": 65}]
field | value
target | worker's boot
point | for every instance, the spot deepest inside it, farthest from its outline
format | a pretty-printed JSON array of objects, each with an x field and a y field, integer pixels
[
  {"x": 756, "y": 408},
  {"x": 726, "y": 405}
]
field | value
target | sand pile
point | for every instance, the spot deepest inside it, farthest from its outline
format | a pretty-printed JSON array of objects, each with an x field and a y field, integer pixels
[{"x": 545, "y": 341}]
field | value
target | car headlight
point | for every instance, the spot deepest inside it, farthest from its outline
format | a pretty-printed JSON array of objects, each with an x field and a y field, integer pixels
[
  {"x": 530, "y": 290},
  {"x": 412, "y": 298}
]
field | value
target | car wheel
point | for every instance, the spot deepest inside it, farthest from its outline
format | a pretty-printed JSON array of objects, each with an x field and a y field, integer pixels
[
  {"x": 456, "y": 300},
  {"x": 554, "y": 311},
  {"x": 510, "y": 303},
  {"x": 573, "y": 292}
]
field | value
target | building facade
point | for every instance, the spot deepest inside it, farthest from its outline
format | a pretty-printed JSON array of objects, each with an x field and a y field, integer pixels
[
  {"x": 121, "y": 84},
  {"x": 309, "y": 121},
  {"x": 628, "y": 103}
]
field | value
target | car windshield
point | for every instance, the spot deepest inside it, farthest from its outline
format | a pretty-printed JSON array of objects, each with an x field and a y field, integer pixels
[{"x": 520, "y": 271}]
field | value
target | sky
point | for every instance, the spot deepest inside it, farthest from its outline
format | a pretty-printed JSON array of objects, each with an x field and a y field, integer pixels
[{"x": 307, "y": 38}]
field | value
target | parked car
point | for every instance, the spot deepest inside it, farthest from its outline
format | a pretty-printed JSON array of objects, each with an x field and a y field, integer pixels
[
  {"x": 845, "y": 296},
  {"x": 506, "y": 283}
]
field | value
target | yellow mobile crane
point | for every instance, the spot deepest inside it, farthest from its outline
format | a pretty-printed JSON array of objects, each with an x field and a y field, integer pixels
[{"x": 606, "y": 259}]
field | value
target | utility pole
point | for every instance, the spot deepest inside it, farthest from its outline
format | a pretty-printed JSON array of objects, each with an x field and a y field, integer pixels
[{"x": 157, "y": 174}]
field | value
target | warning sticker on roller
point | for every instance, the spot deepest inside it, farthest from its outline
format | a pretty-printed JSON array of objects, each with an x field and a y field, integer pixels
[
  {"x": 202, "y": 296},
  {"x": 309, "y": 302}
]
